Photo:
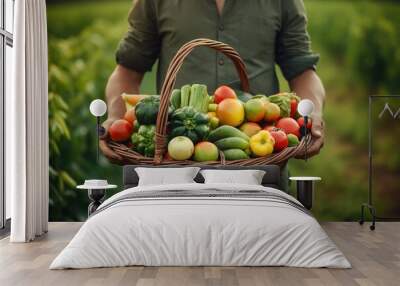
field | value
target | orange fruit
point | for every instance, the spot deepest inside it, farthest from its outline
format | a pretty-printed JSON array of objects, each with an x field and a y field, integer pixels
[{"x": 230, "y": 112}]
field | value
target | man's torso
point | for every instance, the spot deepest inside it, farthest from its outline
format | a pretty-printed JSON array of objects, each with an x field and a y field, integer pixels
[{"x": 250, "y": 27}]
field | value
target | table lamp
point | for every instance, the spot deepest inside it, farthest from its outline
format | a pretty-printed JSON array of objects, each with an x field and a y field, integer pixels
[
  {"x": 98, "y": 108},
  {"x": 305, "y": 108}
]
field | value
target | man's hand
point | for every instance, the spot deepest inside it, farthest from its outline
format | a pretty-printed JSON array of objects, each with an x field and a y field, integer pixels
[
  {"x": 107, "y": 151},
  {"x": 308, "y": 85},
  {"x": 121, "y": 80},
  {"x": 317, "y": 133}
]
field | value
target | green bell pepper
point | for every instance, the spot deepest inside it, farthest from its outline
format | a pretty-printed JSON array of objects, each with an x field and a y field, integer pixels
[
  {"x": 186, "y": 121},
  {"x": 143, "y": 140}
]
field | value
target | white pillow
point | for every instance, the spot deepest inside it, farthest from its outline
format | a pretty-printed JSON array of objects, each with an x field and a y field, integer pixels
[
  {"x": 247, "y": 177},
  {"x": 166, "y": 176}
]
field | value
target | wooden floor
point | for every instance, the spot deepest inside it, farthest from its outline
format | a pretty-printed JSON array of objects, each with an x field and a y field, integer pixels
[{"x": 375, "y": 257}]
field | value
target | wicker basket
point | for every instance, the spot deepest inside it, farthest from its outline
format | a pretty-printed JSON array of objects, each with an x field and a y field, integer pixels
[{"x": 131, "y": 157}]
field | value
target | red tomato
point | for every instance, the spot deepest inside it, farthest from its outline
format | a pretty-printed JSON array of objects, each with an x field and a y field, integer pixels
[
  {"x": 223, "y": 92},
  {"x": 281, "y": 139},
  {"x": 289, "y": 125},
  {"x": 300, "y": 121},
  {"x": 120, "y": 130},
  {"x": 293, "y": 108}
]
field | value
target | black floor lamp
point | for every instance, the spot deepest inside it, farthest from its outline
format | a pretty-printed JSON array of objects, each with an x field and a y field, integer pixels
[
  {"x": 305, "y": 109},
  {"x": 98, "y": 108}
]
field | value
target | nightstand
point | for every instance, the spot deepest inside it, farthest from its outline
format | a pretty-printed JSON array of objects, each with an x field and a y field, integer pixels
[
  {"x": 305, "y": 189},
  {"x": 96, "y": 192}
]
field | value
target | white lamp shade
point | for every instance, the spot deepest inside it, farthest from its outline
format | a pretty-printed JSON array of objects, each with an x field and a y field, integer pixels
[
  {"x": 305, "y": 107},
  {"x": 98, "y": 107}
]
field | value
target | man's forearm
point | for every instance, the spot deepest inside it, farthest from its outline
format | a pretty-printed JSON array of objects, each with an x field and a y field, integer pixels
[
  {"x": 308, "y": 85},
  {"x": 121, "y": 81}
]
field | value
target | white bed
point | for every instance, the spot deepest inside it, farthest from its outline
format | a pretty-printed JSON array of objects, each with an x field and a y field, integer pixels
[{"x": 267, "y": 229}]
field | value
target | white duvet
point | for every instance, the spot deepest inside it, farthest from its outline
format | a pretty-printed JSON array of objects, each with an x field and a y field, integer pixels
[{"x": 200, "y": 231}]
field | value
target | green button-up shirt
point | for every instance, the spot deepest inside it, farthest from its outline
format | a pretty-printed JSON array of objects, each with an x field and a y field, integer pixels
[{"x": 264, "y": 32}]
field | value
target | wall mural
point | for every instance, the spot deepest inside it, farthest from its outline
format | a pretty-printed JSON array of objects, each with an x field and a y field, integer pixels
[{"x": 83, "y": 37}]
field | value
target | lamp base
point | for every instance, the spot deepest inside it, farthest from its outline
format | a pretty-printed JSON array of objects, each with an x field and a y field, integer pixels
[
  {"x": 96, "y": 197},
  {"x": 305, "y": 191}
]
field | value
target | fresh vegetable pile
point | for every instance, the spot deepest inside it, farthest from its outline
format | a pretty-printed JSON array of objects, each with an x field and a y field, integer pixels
[{"x": 201, "y": 127}]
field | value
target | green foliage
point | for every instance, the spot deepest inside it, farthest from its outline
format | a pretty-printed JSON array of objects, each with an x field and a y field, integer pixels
[
  {"x": 376, "y": 59},
  {"x": 78, "y": 74},
  {"x": 359, "y": 46},
  {"x": 363, "y": 37},
  {"x": 70, "y": 18},
  {"x": 59, "y": 178}
]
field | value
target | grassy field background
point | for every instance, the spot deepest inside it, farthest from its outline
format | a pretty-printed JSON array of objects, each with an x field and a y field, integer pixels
[{"x": 360, "y": 55}]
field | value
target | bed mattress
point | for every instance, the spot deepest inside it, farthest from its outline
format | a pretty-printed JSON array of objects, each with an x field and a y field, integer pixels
[{"x": 201, "y": 225}]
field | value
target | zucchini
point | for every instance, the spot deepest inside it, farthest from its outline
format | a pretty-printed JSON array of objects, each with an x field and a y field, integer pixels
[
  {"x": 235, "y": 154},
  {"x": 232, "y": 143}
]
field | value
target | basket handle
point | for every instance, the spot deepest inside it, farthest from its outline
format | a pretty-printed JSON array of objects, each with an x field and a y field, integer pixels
[{"x": 170, "y": 79}]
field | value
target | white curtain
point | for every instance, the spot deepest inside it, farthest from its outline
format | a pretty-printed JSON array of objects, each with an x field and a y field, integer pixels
[{"x": 27, "y": 124}]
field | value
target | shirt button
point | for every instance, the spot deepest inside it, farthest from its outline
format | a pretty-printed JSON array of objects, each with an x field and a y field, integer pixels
[
  {"x": 221, "y": 62},
  {"x": 221, "y": 27}
]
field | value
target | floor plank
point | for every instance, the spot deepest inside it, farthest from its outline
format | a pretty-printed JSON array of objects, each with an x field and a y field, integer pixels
[{"x": 375, "y": 257}]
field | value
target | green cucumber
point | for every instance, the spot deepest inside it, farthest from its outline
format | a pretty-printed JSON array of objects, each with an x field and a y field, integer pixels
[
  {"x": 248, "y": 151},
  {"x": 176, "y": 98},
  {"x": 232, "y": 143},
  {"x": 226, "y": 131},
  {"x": 235, "y": 154}
]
